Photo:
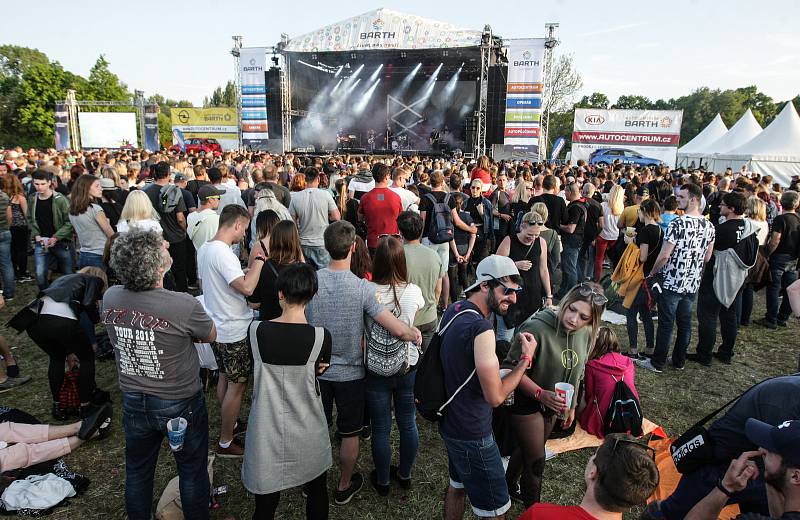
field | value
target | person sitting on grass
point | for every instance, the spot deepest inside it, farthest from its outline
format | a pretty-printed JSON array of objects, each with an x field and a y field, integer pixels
[
  {"x": 23, "y": 445},
  {"x": 619, "y": 476}
]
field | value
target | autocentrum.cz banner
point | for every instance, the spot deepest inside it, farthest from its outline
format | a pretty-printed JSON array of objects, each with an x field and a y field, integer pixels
[
  {"x": 207, "y": 123},
  {"x": 524, "y": 89},
  {"x": 653, "y": 134},
  {"x": 253, "y": 90}
]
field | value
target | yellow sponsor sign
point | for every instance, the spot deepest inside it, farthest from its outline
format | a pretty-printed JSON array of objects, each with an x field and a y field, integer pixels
[{"x": 203, "y": 116}]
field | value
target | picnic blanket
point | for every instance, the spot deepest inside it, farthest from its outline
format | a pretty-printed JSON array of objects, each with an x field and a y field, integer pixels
[{"x": 581, "y": 439}]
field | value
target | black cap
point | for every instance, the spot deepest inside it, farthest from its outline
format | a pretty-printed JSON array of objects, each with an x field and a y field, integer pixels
[{"x": 207, "y": 190}]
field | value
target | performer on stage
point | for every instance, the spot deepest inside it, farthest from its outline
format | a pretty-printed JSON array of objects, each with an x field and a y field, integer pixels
[
  {"x": 435, "y": 139},
  {"x": 371, "y": 139}
]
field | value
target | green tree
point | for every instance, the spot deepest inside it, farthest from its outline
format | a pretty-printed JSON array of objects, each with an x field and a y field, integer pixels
[
  {"x": 633, "y": 103},
  {"x": 104, "y": 85},
  {"x": 596, "y": 100},
  {"x": 222, "y": 97}
]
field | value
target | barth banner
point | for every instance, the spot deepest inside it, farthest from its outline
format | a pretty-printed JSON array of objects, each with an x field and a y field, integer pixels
[
  {"x": 650, "y": 133},
  {"x": 524, "y": 90},
  {"x": 208, "y": 123},
  {"x": 253, "y": 90}
]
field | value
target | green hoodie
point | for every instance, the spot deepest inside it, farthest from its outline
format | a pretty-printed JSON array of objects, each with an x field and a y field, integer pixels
[{"x": 551, "y": 361}]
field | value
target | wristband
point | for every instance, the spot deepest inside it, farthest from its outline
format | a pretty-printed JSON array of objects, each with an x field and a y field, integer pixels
[
  {"x": 527, "y": 358},
  {"x": 727, "y": 493},
  {"x": 260, "y": 258},
  {"x": 537, "y": 394}
]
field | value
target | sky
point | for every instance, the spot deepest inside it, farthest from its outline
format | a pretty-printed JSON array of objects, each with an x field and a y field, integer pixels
[{"x": 657, "y": 49}]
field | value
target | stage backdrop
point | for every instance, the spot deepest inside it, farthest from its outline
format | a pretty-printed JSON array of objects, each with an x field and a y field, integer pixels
[
  {"x": 208, "y": 123},
  {"x": 524, "y": 91},
  {"x": 108, "y": 129},
  {"x": 253, "y": 90},
  {"x": 652, "y": 133}
]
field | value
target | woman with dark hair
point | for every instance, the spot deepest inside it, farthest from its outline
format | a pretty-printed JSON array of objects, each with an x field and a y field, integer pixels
[
  {"x": 360, "y": 262},
  {"x": 264, "y": 223},
  {"x": 390, "y": 363},
  {"x": 284, "y": 250},
  {"x": 58, "y": 331},
  {"x": 564, "y": 336},
  {"x": 89, "y": 220},
  {"x": 287, "y": 436}
]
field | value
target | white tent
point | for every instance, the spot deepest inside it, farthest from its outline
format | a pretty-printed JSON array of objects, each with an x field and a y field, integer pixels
[
  {"x": 775, "y": 151},
  {"x": 745, "y": 129},
  {"x": 692, "y": 150}
]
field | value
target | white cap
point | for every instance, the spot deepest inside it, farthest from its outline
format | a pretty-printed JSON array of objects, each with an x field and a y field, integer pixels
[{"x": 493, "y": 267}]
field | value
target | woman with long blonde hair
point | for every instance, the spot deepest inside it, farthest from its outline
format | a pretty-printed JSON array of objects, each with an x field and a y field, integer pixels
[
  {"x": 609, "y": 233},
  {"x": 138, "y": 212}
]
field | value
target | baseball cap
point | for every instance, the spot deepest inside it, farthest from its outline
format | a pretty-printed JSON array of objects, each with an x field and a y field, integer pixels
[
  {"x": 493, "y": 267},
  {"x": 783, "y": 439},
  {"x": 179, "y": 177},
  {"x": 207, "y": 190}
]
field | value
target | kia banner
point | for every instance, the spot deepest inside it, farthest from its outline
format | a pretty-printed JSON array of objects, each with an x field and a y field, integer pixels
[
  {"x": 253, "y": 90},
  {"x": 524, "y": 90},
  {"x": 630, "y": 136}
]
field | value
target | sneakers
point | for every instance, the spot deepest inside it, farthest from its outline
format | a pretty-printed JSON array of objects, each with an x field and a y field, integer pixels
[
  {"x": 782, "y": 323},
  {"x": 381, "y": 489},
  {"x": 722, "y": 358},
  {"x": 764, "y": 323},
  {"x": 91, "y": 424},
  {"x": 676, "y": 367},
  {"x": 394, "y": 474},
  {"x": 516, "y": 494},
  {"x": 234, "y": 451},
  {"x": 24, "y": 279},
  {"x": 696, "y": 358},
  {"x": 647, "y": 365},
  {"x": 343, "y": 497},
  {"x": 12, "y": 382},
  {"x": 366, "y": 433}
]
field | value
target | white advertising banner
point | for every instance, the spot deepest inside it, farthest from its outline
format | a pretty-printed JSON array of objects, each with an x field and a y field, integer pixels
[
  {"x": 653, "y": 134},
  {"x": 108, "y": 130},
  {"x": 253, "y": 90},
  {"x": 384, "y": 29},
  {"x": 524, "y": 90}
]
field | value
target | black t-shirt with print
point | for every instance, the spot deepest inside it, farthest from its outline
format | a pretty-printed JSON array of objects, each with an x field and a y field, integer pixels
[
  {"x": 576, "y": 214},
  {"x": 651, "y": 235},
  {"x": 788, "y": 225}
]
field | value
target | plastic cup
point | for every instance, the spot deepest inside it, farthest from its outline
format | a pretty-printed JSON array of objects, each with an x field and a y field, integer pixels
[
  {"x": 565, "y": 390},
  {"x": 510, "y": 398},
  {"x": 176, "y": 432}
]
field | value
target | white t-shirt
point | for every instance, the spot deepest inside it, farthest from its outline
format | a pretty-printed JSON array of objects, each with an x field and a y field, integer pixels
[
  {"x": 360, "y": 186},
  {"x": 411, "y": 300},
  {"x": 148, "y": 224},
  {"x": 217, "y": 267},
  {"x": 407, "y": 198},
  {"x": 232, "y": 195},
  {"x": 201, "y": 226},
  {"x": 608, "y": 221}
]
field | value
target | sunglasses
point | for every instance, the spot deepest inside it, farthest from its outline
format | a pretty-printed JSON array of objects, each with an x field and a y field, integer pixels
[
  {"x": 535, "y": 222},
  {"x": 475, "y": 187},
  {"x": 398, "y": 236},
  {"x": 586, "y": 291},
  {"x": 635, "y": 443},
  {"x": 506, "y": 289}
]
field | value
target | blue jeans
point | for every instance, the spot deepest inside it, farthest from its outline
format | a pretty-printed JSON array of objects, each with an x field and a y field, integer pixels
[
  {"x": 569, "y": 268},
  {"x": 41, "y": 261},
  {"x": 673, "y": 309},
  {"x": 586, "y": 262},
  {"x": 476, "y": 467},
  {"x": 781, "y": 267},
  {"x": 381, "y": 392},
  {"x": 316, "y": 257},
  {"x": 694, "y": 486},
  {"x": 90, "y": 260},
  {"x": 503, "y": 333},
  {"x": 144, "y": 418},
  {"x": 639, "y": 308},
  {"x": 6, "y": 265}
]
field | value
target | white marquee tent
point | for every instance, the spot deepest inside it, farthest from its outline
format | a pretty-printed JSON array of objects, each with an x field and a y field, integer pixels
[
  {"x": 774, "y": 151},
  {"x": 693, "y": 150},
  {"x": 745, "y": 129}
]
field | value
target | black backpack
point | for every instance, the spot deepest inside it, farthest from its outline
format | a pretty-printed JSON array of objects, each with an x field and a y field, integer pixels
[
  {"x": 441, "y": 220},
  {"x": 624, "y": 414},
  {"x": 430, "y": 394}
]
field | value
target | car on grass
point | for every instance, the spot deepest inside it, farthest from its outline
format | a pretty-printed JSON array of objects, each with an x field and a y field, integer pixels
[
  {"x": 197, "y": 145},
  {"x": 607, "y": 157}
]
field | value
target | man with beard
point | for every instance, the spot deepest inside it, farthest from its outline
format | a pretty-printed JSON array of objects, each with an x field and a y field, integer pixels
[
  {"x": 774, "y": 402},
  {"x": 780, "y": 448},
  {"x": 467, "y": 349}
]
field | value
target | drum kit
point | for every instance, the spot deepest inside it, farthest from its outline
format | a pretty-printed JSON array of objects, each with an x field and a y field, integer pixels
[{"x": 400, "y": 142}]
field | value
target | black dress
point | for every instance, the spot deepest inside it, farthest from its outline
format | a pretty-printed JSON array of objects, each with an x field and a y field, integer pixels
[{"x": 530, "y": 299}]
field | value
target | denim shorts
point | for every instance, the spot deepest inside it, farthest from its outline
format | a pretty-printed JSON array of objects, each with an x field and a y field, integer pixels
[{"x": 476, "y": 467}]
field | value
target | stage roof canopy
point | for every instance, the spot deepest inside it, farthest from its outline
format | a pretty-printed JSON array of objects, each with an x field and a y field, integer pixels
[{"x": 384, "y": 29}]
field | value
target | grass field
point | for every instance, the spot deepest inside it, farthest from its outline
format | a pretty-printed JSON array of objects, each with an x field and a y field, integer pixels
[{"x": 672, "y": 399}]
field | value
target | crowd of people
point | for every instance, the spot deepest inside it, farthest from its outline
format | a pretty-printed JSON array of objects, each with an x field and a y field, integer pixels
[{"x": 324, "y": 281}]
